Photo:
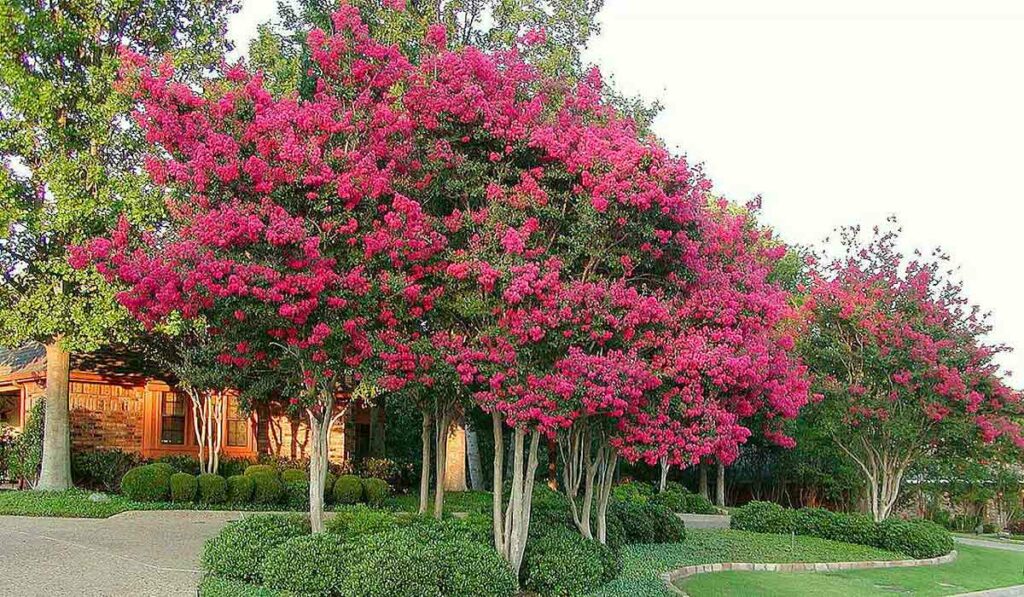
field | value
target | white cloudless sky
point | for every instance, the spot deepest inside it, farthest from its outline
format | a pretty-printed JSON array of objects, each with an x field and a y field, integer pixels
[{"x": 840, "y": 113}]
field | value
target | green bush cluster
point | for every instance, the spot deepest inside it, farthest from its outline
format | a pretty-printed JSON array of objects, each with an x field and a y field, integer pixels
[
  {"x": 675, "y": 497},
  {"x": 101, "y": 469},
  {"x": 308, "y": 565},
  {"x": 914, "y": 538},
  {"x": 647, "y": 522},
  {"x": 184, "y": 487},
  {"x": 240, "y": 489},
  {"x": 296, "y": 495},
  {"x": 148, "y": 483},
  {"x": 563, "y": 562},
  {"x": 213, "y": 489},
  {"x": 348, "y": 489},
  {"x": 267, "y": 488},
  {"x": 24, "y": 454},
  {"x": 238, "y": 551},
  {"x": 290, "y": 475}
]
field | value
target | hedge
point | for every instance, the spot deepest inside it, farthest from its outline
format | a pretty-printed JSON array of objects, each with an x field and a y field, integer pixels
[
  {"x": 296, "y": 495},
  {"x": 308, "y": 565},
  {"x": 376, "y": 491},
  {"x": 647, "y": 522},
  {"x": 916, "y": 538},
  {"x": 357, "y": 521},
  {"x": 763, "y": 517},
  {"x": 183, "y": 487},
  {"x": 294, "y": 474},
  {"x": 240, "y": 489},
  {"x": 267, "y": 488},
  {"x": 213, "y": 489},
  {"x": 148, "y": 483},
  {"x": 256, "y": 469},
  {"x": 238, "y": 551},
  {"x": 348, "y": 489},
  {"x": 562, "y": 562}
]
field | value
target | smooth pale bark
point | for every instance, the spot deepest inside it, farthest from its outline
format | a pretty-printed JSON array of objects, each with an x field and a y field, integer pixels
[
  {"x": 606, "y": 478},
  {"x": 476, "y": 469},
  {"x": 883, "y": 470},
  {"x": 208, "y": 411},
  {"x": 512, "y": 520},
  {"x": 720, "y": 486},
  {"x": 588, "y": 461},
  {"x": 455, "y": 459},
  {"x": 320, "y": 423},
  {"x": 444, "y": 422},
  {"x": 56, "y": 462},
  {"x": 428, "y": 422},
  {"x": 663, "y": 478},
  {"x": 703, "y": 482}
]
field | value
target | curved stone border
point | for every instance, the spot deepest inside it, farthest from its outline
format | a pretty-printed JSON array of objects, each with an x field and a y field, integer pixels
[{"x": 686, "y": 571}]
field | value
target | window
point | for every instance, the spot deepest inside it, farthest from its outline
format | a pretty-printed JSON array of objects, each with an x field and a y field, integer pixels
[
  {"x": 10, "y": 409},
  {"x": 172, "y": 419},
  {"x": 362, "y": 440},
  {"x": 237, "y": 425}
]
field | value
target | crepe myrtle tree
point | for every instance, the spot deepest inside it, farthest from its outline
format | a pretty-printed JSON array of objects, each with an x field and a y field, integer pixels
[{"x": 901, "y": 365}]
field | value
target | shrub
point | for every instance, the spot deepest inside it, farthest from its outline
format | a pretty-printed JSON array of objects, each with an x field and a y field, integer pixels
[
  {"x": 238, "y": 551},
  {"x": 853, "y": 527},
  {"x": 816, "y": 522},
  {"x": 294, "y": 474},
  {"x": 348, "y": 489},
  {"x": 182, "y": 463},
  {"x": 240, "y": 489},
  {"x": 101, "y": 469},
  {"x": 698, "y": 504},
  {"x": 562, "y": 562},
  {"x": 411, "y": 562},
  {"x": 267, "y": 488},
  {"x": 213, "y": 489},
  {"x": 376, "y": 491},
  {"x": 307, "y": 565},
  {"x": 675, "y": 501},
  {"x": 647, "y": 523},
  {"x": 329, "y": 487},
  {"x": 183, "y": 487},
  {"x": 229, "y": 467},
  {"x": 148, "y": 483},
  {"x": 915, "y": 538},
  {"x": 215, "y": 586},
  {"x": 633, "y": 492},
  {"x": 296, "y": 495},
  {"x": 256, "y": 469},
  {"x": 25, "y": 454},
  {"x": 358, "y": 521},
  {"x": 763, "y": 517}
]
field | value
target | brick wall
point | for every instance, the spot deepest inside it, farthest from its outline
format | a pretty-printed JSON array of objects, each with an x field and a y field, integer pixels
[{"x": 106, "y": 416}]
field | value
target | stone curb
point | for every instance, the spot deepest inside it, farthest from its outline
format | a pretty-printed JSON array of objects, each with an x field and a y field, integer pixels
[{"x": 686, "y": 571}]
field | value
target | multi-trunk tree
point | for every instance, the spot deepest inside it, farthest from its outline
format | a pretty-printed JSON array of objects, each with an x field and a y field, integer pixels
[{"x": 901, "y": 366}]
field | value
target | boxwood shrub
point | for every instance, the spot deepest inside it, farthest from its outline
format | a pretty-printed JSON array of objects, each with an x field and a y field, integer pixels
[
  {"x": 240, "y": 489},
  {"x": 294, "y": 474},
  {"x": 267, "y": 488},
  {"x": 148, "y": 483},
  {"x": 410, "y": 563},
  {"x": 183, "y": 487},
  {"x": 562, "y": 562},
  {"x": 255, "y": 469},
  {"x": 348, "y": 489},
  {"x": 763, "y": 517},
  {"x": 647, "y": 522},
  {"x": 308, "y": 565},
  {"x": 376, "y": 491},
  {"x": 357, "y": 521},
  {"x": 238, "y": 551},
  {"x": 297, "y": 495},
  {"x": 854, "y": 527},
  {"x": 916, "y": 538},
  {"x": 213, "y": 489}
]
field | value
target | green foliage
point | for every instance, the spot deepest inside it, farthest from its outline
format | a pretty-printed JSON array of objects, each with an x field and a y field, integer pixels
[
  {"x": 182, "y": 463},
  {"x": 294, "y": 474},
  {"x": 267, "y": 488},
  {"x": 763, "y": 517},
  {"x": 297, "y": 495},
  {"x": 562, "y": 562},
  {"x": 308, "y": 565},
  {"x": 73, "y": 503},
  {"x": 240, "y": 489},
  {"x": 357, "y": 521},
  {"x": 633, "y": 492},
  {"x": 101, "y": 469},
  {"x": 411, "y": 562},
  {"x": 148, "y": 483},
  {"x": 183, "y": 487},
  {"x": 255, "y": 469},
  {"x": 647, "y": 522},
  {"x": 348, "y": 489},
  {"x": 238, "y": 551},
  {"x": 213, "y": 489},
  {"x": 229, "y": 467},
  {"x": 329, "y": 481},
  {"x": 25, "y": 454},
  {"x": 214, "y": 586},
  {"x": 376, "y": 491},
  {"x": 916, "y": 538}
]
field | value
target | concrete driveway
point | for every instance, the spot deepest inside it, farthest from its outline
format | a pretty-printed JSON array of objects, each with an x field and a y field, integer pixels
[{"x": 135, "y": 553}]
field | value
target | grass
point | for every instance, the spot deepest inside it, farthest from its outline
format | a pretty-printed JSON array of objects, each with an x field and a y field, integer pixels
[
  {"x": 642, "y": 564},
  {"x": 975, "y": 569}
]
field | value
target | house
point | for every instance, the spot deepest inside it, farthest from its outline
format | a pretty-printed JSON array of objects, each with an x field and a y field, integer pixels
[{"x": 114, "y": 404}]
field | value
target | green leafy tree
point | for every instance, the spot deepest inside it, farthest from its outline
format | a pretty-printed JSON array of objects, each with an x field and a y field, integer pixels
[{"x": 69, "y": 166}]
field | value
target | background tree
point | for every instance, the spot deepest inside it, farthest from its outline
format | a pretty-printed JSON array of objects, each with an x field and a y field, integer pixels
[
  {"x": 69, "y": 166},
  {"x": 901, "y": 365}
]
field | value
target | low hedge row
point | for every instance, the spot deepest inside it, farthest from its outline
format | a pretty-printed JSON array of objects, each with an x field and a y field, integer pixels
[
  {"x": 675, "y": 497},
  {"x": 915, "y": 538},
  {"x": 260, "y": 484}
]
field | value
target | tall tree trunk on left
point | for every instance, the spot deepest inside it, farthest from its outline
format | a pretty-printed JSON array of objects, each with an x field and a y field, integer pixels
[
  {"x": 720, "y": 486},
  {"x": 476, "y": 469},
  {"x": 702, "y": 483},
  {"x": 56, "y": 466},
  {"x": 320, "y": 424}
]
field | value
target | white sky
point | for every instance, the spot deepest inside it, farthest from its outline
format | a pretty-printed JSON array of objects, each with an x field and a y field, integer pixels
[{"x": 840, "y": 113}]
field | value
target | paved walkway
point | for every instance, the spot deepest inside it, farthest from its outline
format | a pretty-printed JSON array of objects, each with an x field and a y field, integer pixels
[
  {"x": 993, "y": 543},
  {"x": 135, "y": 553}
]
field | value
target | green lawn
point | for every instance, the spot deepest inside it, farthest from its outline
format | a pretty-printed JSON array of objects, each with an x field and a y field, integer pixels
[
  {"x": 462, "y": 501},
  {"x": 975, "y": 569},
  {"x": 642, "y": 564},
  {"x": 74, "y": 503}
]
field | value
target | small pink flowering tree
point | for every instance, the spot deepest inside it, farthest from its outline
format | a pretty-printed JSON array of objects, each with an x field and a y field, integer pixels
[{"x": 900, "y": 364}]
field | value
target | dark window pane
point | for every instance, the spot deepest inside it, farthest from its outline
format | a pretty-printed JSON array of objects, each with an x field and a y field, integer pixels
[
  {"x": 172, "y": 419},
  {"x": 238, "y": 425}
]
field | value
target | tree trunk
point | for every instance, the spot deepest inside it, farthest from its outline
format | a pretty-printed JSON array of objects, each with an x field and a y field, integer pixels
[
  {"x": 552, "y": 464},
  {"x": 720, "y": 486},
  {"x": 476, "y": 469},
  {"x": 319, "y": 457},
  {"x": 455, "y": 458},
  {"x": 444, "y": 422},
  {"x": 512, "y": 523},
  {"x": 425, "y": 468},
  {"x": 703, "y": 483},
  {"x": 663, "y": 479},
  {"x": 56, "y": 466}
]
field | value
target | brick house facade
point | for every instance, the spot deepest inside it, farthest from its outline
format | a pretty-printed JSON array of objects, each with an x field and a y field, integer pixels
[{"x": 114, "y": 407}]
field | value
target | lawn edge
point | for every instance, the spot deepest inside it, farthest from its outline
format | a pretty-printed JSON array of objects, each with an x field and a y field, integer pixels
[{"x": 672, "y": 576}]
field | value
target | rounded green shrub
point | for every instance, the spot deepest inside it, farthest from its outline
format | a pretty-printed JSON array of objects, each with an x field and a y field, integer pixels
[
  {"x": 763, "y": 517},
  {"x": 675, "y": 501},
  {"x": 297, "y": 495},
  {"x": 183, "y": 487},
  {"x": 148, "y": 483},
  {"x": 329, "y": 481},
  {"x": 816, "y": 522},
  {"x": 238, "y": 551},
  {"x": 698, "y": 504},
  {"x": 256, "y": 469},
  {"x": 411, "y": 563},
  {"x": 646, "y": 522},
  {"x": 307, "y": 565},
  {"x": 294, "y": 474},
  {"x": 376, "y": 491},
  {"x": 853, "y": 527},
  {"x": 348, "y": 489},
  {"x": 915, "y": 538},
  {"x": 240, "y": 489},
  {"x": 562, "y": 562},
  {"x": 213, "y": 489},
  {"x": 633, "y": 492},
  {"x": 357, "y": 521},
  {"x": 267, "y": 488}
]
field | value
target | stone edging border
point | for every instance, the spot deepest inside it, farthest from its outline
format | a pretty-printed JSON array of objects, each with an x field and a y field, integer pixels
[{"x": 687, "y": 571}]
